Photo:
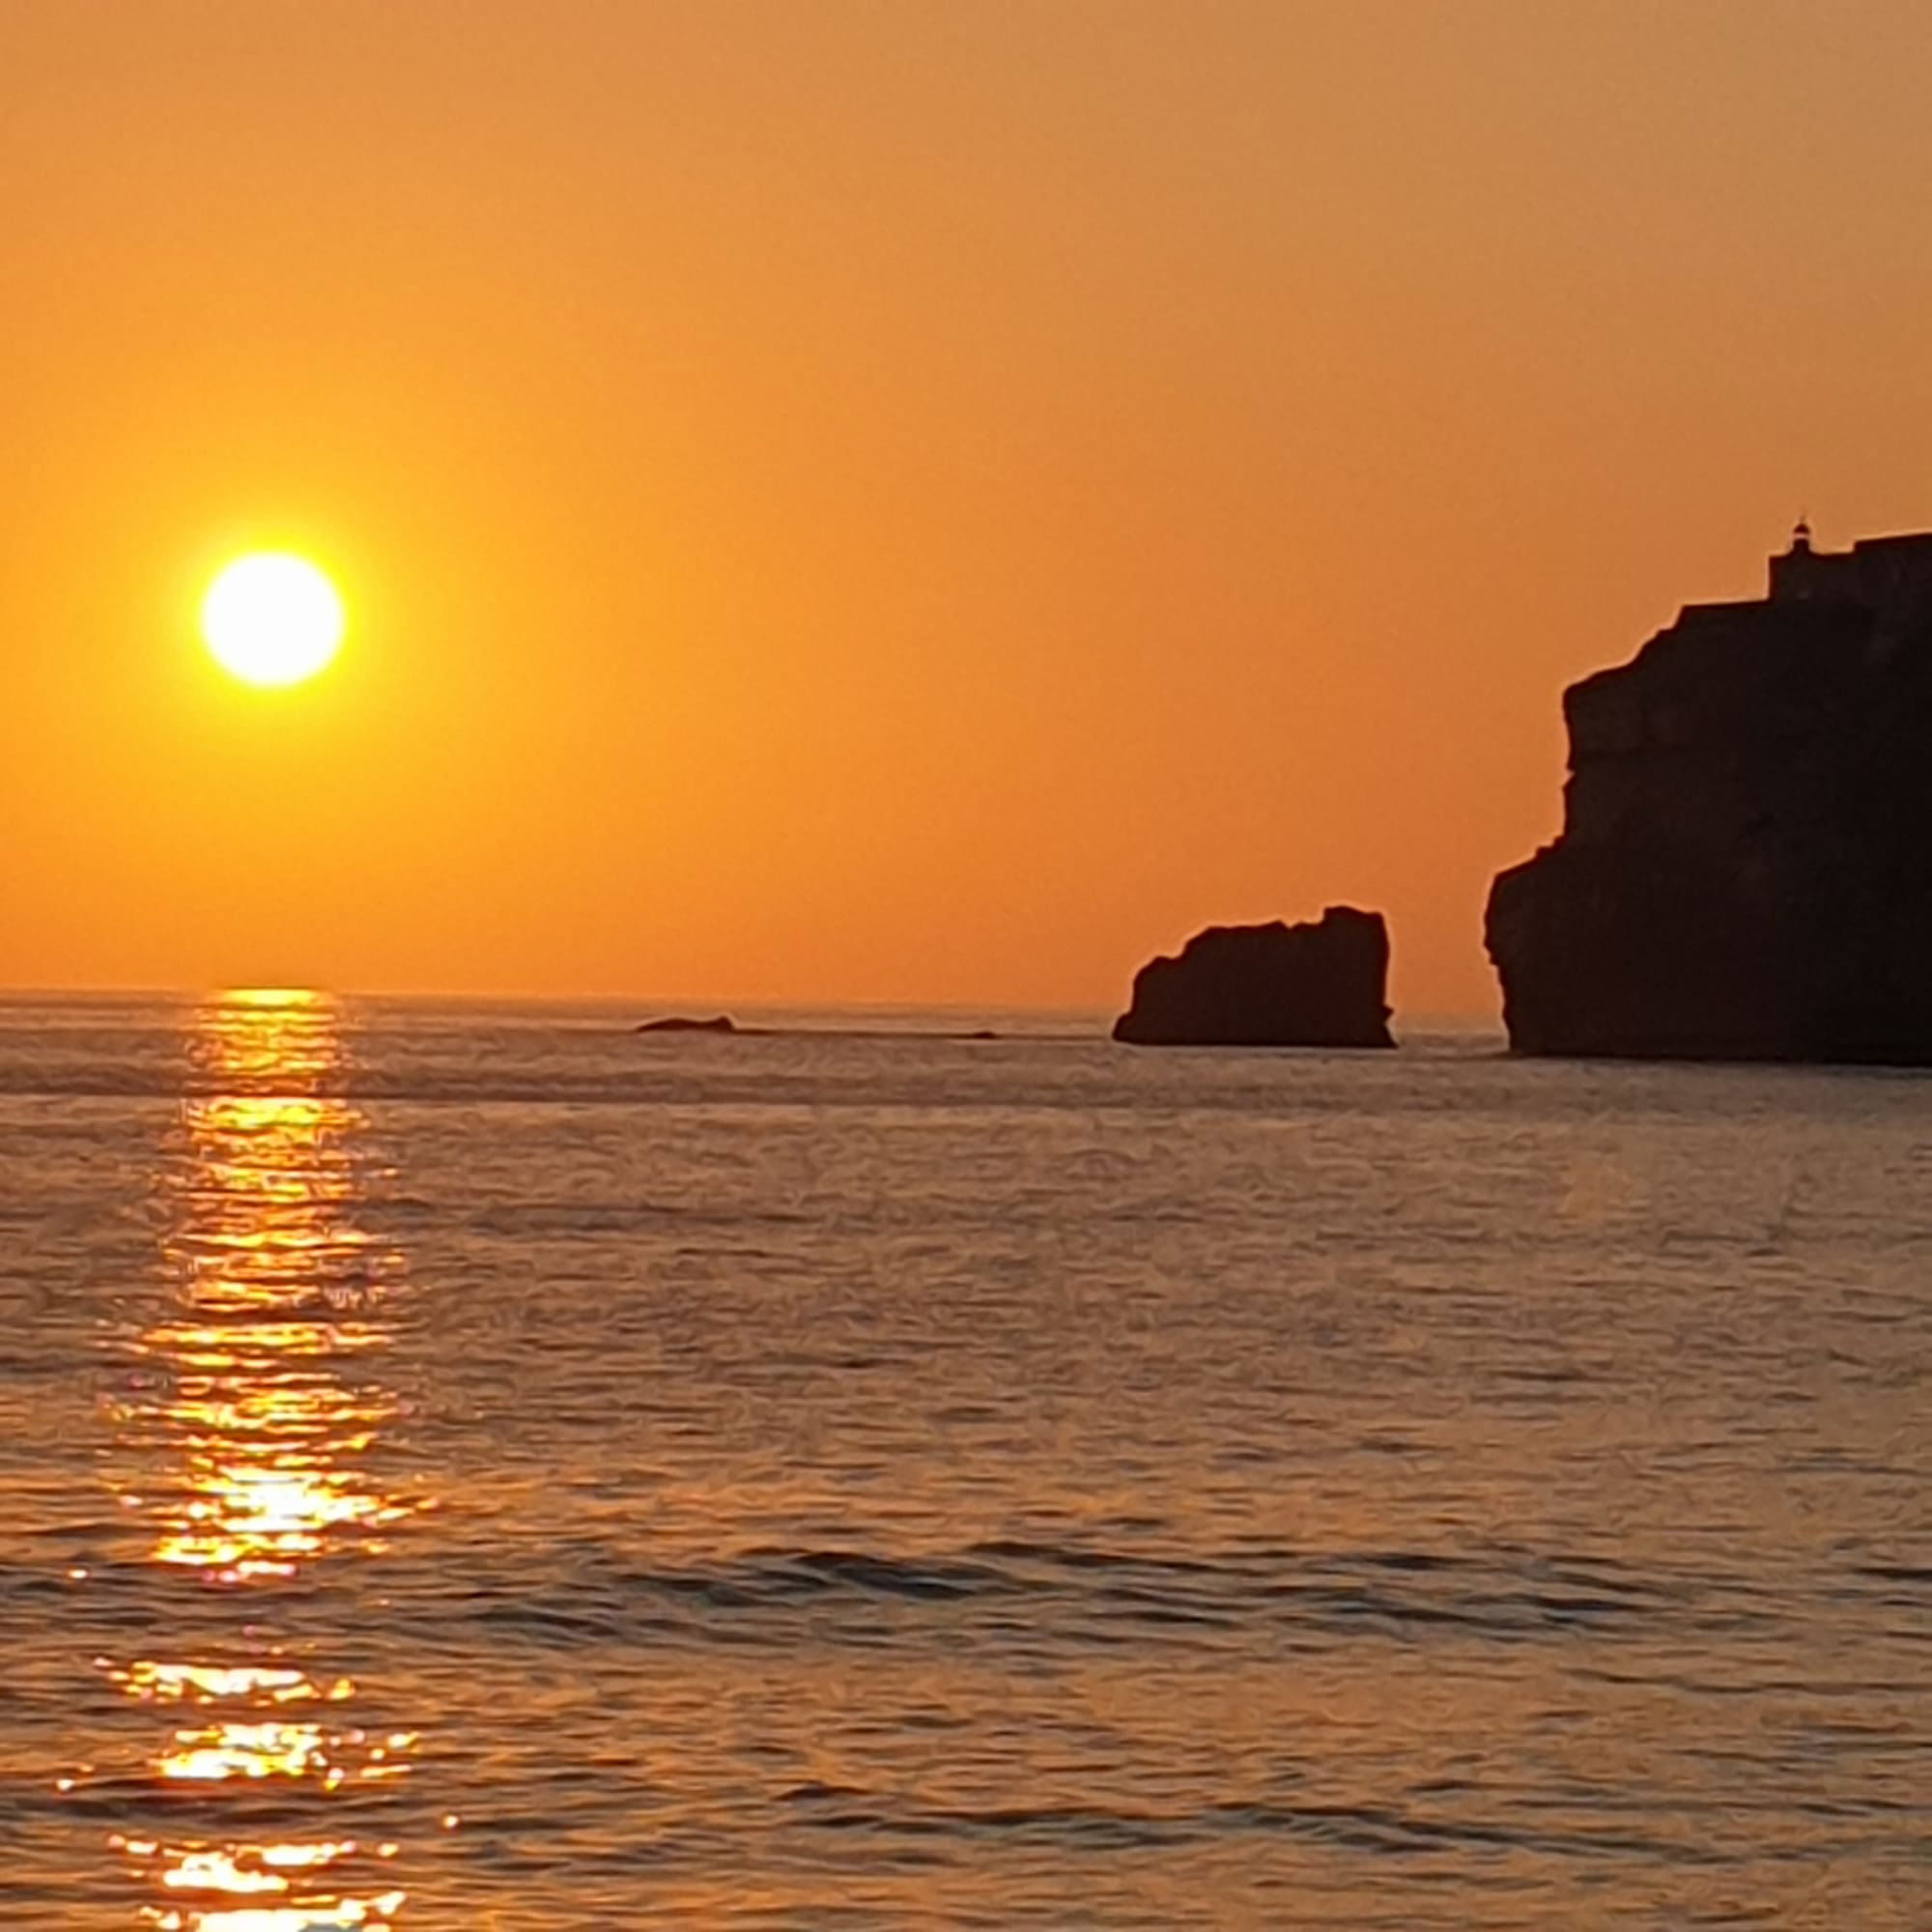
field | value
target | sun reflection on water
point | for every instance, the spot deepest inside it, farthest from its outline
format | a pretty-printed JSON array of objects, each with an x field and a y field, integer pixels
[{"x": 252, "y": 1424}]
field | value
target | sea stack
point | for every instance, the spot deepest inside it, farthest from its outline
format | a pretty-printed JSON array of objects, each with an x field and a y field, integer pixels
[
  {"x": 1317, "y": 984},
  {"x": 1745, "y": 870}
]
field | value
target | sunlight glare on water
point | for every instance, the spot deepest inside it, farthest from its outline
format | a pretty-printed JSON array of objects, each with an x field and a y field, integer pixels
[{"x": 243, "y": 1426}]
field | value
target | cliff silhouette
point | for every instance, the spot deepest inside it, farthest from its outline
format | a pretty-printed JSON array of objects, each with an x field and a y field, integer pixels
[
  {"x": 1317, "y": 984},
  {"x": 1745, "y": 870}
]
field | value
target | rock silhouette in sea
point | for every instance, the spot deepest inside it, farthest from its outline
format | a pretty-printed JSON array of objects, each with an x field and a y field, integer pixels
[
  {"x": 1745, "y": 870},
  {"x": 1316, "y": 984},
  {"x": 680, "y": 1023}
]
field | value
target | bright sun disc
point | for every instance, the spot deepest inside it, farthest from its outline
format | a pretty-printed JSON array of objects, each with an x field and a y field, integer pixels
[{"x": 272, "y": 618}]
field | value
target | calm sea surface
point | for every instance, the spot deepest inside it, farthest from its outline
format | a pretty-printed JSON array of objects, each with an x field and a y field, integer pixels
[{"x": 476, "y": 1467}]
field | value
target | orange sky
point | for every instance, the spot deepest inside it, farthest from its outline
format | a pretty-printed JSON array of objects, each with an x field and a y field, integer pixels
[{"x": 897, "y": 500}]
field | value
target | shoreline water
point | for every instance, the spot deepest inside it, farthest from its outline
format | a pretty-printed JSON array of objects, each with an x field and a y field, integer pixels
[{"x": 943, "y": 1481}]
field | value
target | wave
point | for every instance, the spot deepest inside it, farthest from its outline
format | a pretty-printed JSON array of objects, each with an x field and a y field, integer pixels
[{"x": 1045, "y": 1594}]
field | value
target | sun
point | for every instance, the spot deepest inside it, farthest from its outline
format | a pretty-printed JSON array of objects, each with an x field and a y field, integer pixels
[{"x": 272, "y": 618}]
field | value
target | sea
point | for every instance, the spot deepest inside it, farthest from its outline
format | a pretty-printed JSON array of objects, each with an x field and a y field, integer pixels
[{"x": 473, "y": 1465}]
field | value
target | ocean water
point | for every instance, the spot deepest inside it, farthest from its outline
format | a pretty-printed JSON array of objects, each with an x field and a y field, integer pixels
[{"x": 476, "y": 1467}]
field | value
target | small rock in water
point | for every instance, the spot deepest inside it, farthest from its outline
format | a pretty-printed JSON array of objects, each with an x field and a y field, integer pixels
[{"x": 1320, "y": 984}]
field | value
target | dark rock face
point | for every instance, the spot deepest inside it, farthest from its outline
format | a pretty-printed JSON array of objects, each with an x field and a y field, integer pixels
[
  {"x": 1267, "y": 985},
  {"x": 679, "y": 1023},
  {"x": 1745, "y": 870}
]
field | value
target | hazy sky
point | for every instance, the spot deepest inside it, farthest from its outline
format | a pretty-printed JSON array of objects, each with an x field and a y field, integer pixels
[{"x": 897, "y": 500}]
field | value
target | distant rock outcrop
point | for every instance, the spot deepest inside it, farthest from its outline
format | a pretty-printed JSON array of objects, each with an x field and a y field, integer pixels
[
  {"x": 1320, "y": 984},
  {"x": 677, "y": 1023},
  {"x": 1745, "y": 870}
]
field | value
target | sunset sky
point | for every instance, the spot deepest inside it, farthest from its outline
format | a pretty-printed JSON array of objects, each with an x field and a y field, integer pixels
[{"x": 897, "y": 500}]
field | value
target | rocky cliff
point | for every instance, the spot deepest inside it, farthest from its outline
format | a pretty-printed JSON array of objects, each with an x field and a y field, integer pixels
[
  {"x": 1745, "y": 870},
  {"x": 1267, "y": 985}
]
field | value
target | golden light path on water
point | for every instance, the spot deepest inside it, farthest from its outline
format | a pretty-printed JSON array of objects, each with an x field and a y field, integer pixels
[{"x": 257, "y": 1401}]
